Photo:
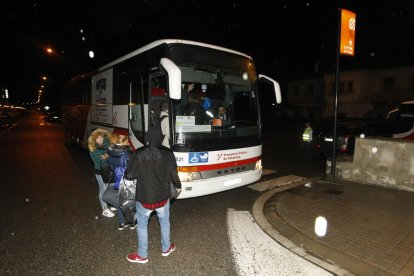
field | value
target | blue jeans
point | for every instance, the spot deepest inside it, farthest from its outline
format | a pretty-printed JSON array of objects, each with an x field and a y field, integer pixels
[
  {"x": 120, "y": 216},
  {"x": 102, "y": 187},
  {"x": 143, "y": 216}
]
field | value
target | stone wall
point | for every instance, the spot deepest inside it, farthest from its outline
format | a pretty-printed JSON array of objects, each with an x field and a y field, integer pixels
[{"x": 379, "y": 161}]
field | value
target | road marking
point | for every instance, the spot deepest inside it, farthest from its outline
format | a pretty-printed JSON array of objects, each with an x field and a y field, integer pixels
[
  {"x": 8, "y": 128},
  {"x": 255, "y": 253},
  {"x": 276, "y": 182}
]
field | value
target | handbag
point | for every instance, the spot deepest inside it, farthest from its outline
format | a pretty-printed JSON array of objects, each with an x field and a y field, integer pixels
[
  {"x": 107, "y": 175},
  {"x": 110, "y": 195},
  {"x": 126, "y": 197},
  {"x": 127, "y": 189}
]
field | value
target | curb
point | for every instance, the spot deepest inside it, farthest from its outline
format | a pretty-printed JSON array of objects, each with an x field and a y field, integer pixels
[{"x": 261, "y": 220}]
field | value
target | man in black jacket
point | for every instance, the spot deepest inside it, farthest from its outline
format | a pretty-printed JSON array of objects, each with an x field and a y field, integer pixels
[{"x": 154, "y": 167}]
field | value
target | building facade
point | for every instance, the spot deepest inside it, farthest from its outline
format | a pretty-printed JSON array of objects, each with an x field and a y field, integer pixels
[{"x": 363, "y": 93}]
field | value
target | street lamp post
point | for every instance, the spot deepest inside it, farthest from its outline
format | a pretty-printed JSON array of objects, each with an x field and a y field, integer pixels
[{"x": 50, "y": 51}]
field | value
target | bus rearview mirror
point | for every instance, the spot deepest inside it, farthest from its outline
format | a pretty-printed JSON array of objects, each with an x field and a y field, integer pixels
[{"x": 174, "y": 78}]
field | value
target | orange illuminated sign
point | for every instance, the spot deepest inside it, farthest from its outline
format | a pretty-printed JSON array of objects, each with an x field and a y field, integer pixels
[{"x": 348, "y": 22}]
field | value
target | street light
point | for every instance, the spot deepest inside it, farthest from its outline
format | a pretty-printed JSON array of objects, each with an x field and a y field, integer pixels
[{"x": 50, "y": 51}]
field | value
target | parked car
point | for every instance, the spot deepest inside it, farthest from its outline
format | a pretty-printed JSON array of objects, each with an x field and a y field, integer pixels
[
  {"x": 345, "y": 139},
  {"x": 53, "y": 117}
]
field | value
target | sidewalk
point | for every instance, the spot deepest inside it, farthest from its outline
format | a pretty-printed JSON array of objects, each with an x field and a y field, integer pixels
[
  {"x": 370, "y": 229},
  {"x": 256, "y": 253}
]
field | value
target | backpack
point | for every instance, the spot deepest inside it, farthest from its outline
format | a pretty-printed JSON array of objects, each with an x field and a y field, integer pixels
[
  {"x": 161, "y": 118},
  {"x": 159, "y": 124},
  {"x": 157, "y": 121}
]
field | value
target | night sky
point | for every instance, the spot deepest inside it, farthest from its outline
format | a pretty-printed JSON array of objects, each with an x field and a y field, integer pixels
[{"x": 285, "y": 38}]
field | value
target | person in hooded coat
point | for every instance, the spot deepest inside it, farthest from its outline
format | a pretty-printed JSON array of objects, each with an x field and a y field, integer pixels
[
  {"x": 98, "y": 143},
  {"x": 119, "y": 155},
  {"x": 154, "y": 167}
]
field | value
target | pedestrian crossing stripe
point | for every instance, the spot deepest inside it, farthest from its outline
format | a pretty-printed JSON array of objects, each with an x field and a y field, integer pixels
[{"x": 276, "y": 182}]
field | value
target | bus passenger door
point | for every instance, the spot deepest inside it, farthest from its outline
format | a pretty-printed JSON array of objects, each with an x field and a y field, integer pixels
[
  {"x": 158, "y": 94},
  {"x": 136, "y": 113},
  {"x": 158, "y": 97}
]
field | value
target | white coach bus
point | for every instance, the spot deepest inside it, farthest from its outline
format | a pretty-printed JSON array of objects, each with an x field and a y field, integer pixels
[{"x": 124, "y": 96}]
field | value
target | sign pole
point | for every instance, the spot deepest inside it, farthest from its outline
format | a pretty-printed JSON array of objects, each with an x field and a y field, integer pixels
[
  {"x": 345, "y": 46},
  {"x": 338, "y": 46}
]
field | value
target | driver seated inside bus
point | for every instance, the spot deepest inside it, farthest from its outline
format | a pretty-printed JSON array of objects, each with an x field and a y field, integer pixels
[
  {"x": 222, "y": 118},
  {"x": 194, "y": 108}
]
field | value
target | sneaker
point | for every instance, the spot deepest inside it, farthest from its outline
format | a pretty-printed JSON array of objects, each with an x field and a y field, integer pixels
[
  {"x": 112, "y": 208},
  {"x": 169, "y": 250},
  {"x": 135, "y": 258},
  {"x": 107, "y": 213},
  {"x": 133, "y": 226},
  {"x": 122, "y": 226}
]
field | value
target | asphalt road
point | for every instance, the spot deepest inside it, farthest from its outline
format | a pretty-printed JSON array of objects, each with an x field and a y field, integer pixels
[{"x": 51, "y": 222}]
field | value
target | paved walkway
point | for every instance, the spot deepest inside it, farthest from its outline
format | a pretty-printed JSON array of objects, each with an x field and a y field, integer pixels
[
  {"x": 255, "y": 253},
  {"x": 370, "y": 230}
]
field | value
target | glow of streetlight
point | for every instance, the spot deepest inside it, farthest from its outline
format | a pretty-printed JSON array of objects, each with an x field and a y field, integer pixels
[
  {"x": 51, "y": 51},
  {"x": 91, "y": 54},
  {"x": 44, "y": 78}
]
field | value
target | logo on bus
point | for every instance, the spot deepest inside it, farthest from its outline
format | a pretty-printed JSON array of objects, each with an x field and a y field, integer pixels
[{"x": 198, "y": 157}]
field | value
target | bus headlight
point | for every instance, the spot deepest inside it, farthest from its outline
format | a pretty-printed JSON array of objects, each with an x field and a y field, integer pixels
[
  {"x": 188, "y": 173},
  {"x": 258, "y": 165}
]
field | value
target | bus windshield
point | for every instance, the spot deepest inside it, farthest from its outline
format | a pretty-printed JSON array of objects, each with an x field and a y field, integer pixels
[{"x": 218, "y": 109}]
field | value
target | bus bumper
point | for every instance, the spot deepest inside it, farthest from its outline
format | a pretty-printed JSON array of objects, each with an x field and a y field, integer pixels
[{"x": 218, "y": 184}]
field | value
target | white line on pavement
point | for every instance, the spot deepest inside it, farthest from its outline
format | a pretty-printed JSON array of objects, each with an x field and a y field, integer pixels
[
  {"x": 276, "y": 182},
  {"x": 255, "y": 253}
]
